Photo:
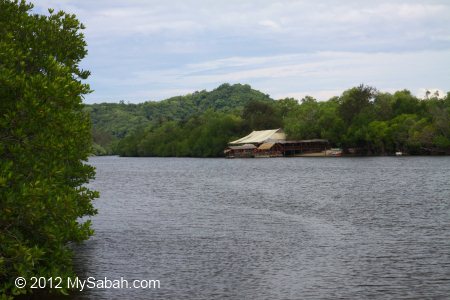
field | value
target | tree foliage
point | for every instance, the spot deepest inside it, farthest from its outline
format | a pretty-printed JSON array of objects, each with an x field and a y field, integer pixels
[
  {"x": 355, "y": 101},
  {"x": 361, "y": 118},
  {"x": 118, "y": 120},
  {"x": 202, "y": 136},
  {"x": 45, "y": 140},
  {"x": 259, "y": 115}
]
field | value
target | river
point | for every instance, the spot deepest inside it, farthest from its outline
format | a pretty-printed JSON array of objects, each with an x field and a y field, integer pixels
[{"x": 282, "y": 228}]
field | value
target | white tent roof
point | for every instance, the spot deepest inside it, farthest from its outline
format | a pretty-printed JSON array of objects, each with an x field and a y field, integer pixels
[{"x": 262, "y": 136}]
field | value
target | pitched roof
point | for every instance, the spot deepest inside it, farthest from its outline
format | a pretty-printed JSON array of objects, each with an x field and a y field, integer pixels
[
  {"x": 261, "y": 136},
  {"x": 266, "y": 146}
]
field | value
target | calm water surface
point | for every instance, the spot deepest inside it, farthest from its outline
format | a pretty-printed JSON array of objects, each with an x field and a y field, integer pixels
[{"x": 284, "y": 228}]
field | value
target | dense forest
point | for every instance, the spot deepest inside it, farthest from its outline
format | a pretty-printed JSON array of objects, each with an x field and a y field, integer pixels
[{"x": 201, "y": 124}]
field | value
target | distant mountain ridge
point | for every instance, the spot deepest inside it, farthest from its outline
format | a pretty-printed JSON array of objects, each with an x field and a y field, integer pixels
[
  {"x": 119, "y": 118},
  {"x": 113, "y": 121}
]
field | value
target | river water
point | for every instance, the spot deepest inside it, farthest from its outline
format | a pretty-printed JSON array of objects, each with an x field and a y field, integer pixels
[{"x": 282, "y": 228}]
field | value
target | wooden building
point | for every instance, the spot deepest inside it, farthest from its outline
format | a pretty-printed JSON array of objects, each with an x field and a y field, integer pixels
[
  {"x": 243, "y": 151},
  {"x": 269, "y": 150},
  {"x": 315, "y": 147},
  {"x": 273, "y": 143}
]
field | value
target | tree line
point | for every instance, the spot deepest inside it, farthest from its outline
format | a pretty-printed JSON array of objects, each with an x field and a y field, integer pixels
[{"x": 362, "y": 119}]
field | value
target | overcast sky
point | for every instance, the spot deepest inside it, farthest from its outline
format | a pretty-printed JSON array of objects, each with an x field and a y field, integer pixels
[{"x": 142, "y": 50}]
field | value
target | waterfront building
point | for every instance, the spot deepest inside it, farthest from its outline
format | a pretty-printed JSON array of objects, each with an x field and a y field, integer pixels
[{"x": 273, "y": 143}]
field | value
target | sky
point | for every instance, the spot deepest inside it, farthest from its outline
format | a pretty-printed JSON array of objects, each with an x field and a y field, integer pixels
[{"x": 146, "y": 50}]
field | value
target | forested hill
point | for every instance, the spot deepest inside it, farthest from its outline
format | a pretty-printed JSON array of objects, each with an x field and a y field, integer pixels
[
  {"x": 201, "y": 124},
  {"x": 114, "y": 121}
]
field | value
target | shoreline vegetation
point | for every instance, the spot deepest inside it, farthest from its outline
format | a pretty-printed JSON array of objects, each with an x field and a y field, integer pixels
[
  {"x": 45, "y": 141},
  {"x": 362, "y": 121}
]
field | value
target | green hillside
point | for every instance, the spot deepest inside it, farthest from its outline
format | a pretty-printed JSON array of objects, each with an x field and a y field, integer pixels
[
  {"x": 201, "y": 124},
  {"x": 115, "y": 121}
]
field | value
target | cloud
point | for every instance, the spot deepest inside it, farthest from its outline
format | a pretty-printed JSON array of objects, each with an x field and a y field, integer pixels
[
  {"x": 321, "y": 74},
  {"x": 294, "y": 18},
  {"x": 270, "y": 24},
  {"x": 281, "y": 47}
]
